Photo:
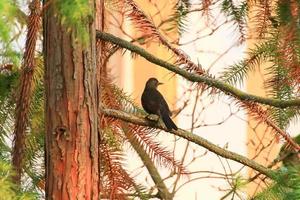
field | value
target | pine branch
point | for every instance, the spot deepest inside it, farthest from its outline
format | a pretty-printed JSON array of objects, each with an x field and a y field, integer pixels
[
  {"x": 226, "y": 88},
  {"x": 190, "y": 137},
  {"x": 147, "y": 26},
  {"x": 238, "y": 72},
  {"x": 115, "y": 180},
  {"x": 237, "y": 14},
  {"x": 263, "y": 116},
  {"x": 163, "y": 191},
  {"x": 25, "y": 89}
]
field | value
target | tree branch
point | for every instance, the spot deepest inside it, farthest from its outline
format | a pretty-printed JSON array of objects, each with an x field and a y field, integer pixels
[
  {"x": 224, "y": 87},
  {"x": 163, "y": 192},
  {"x": 190, "y": 137}
]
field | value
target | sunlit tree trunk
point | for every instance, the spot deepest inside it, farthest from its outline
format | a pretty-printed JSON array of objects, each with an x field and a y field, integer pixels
[{"x": 72, "y": 168}]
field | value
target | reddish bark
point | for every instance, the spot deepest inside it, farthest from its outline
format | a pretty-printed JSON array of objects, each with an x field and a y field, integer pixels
[
  {"x": 72, "y": 168},
  {"x": 25, "y": 90}
]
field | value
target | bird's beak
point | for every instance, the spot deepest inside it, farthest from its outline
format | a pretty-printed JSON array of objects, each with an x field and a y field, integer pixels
[{"x": 159, "y": 83}]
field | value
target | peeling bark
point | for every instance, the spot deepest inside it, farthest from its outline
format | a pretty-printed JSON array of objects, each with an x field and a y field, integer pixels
[{"x": 72, "y": 163}]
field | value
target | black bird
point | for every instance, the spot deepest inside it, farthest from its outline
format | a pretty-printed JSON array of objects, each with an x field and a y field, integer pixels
[{"x": 154, "y": 103}]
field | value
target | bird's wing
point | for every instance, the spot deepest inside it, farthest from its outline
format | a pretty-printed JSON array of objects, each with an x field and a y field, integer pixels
[
  {"x": 163, "y": 104},
  {"x": 149, "y": 102}
]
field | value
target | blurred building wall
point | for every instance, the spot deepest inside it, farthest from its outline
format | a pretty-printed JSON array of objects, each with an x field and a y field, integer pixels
[{"x": 260, "y": 140}]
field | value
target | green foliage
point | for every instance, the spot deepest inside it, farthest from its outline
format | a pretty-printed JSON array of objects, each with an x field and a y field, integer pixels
[
  {"x": 35, "y": 144},
  {"x": 286, "y": 187},
  {"x": 8, "y": 190},
  {"x": 284, "y": 12},
  {"x": 141, "y": 192},
  {"x": 6, "y": 186},
  {"x": 6, "y": 123},
  {"x": 110, "y": 137},
  {"x": 181, "y": 11},
  {"x": 289, "y": 157},
  {"x": 287, "y": 181},
  {"x": 280, "y": 89},
  {"x": 34, "y": 161},
  {"x": 237, "y": 73},
  {"x": 76, "y": 15},
  {"x": 237, "y": 13},
  {"x": 8, "y": 81},
  {"x": 8, "y": 10}
]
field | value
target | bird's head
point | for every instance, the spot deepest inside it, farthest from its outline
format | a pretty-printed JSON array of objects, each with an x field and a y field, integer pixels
[{"x": 152, "y": 83}]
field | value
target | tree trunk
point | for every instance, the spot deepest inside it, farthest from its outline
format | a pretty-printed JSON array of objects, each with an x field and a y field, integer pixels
[{"x": 72, "y": 168}]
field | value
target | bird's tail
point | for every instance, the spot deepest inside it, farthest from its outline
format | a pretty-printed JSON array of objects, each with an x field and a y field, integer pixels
[{"x": 168, "y": 122}]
